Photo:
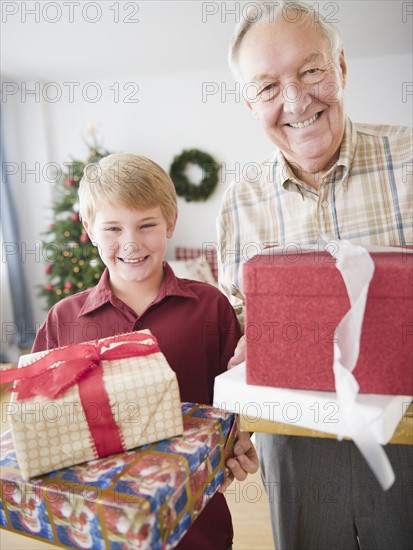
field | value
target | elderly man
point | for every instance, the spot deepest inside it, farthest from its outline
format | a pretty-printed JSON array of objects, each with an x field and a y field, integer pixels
[{"x": 326, "y": 175}]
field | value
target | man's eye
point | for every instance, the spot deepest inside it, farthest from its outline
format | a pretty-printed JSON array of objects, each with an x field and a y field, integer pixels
[
  {"x": 314, "y": 74},
  {"x": 268, "y": 91},
  {"x": 267, "y": 88}
]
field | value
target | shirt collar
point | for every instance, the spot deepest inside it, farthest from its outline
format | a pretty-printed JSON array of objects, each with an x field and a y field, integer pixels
[
  {"x": 347, "y": 151},
  {"x": 284, "y": 175},
  {"x": 98, "y": 296},
  {"x": 101, "y": 294},
  {"x": 172, "y": 286}
]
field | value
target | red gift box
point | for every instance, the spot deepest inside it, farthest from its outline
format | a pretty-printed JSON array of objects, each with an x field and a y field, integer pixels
[{"x": 294, "y": 303}]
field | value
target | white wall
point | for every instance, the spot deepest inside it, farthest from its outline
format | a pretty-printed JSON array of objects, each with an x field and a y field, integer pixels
[
  {"x": 171, "y": 115},
  {"x": 377, "y": 89}
]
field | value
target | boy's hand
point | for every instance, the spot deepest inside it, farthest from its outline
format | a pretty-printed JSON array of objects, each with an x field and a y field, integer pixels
[
  {"x": 239, "y": 354},
  {"x": 244, "y": 461}
]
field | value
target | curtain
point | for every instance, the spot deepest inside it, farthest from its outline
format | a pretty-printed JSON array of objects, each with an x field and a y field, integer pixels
[{"x": 19, "y": 331}]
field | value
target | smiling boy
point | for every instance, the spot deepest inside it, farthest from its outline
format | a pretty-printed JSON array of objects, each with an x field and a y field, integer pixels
[{"x": 128, "y": 207}]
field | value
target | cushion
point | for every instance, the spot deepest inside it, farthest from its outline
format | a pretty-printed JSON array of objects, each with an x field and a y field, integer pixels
[
  {"x": 209, "y": 255},
  {"x": 194, "y": 269}
]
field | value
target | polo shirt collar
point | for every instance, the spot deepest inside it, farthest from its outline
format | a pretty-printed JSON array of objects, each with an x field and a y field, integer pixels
[
  {"x": 284, "y": 174},
  {"x": 101, "y": 294}
]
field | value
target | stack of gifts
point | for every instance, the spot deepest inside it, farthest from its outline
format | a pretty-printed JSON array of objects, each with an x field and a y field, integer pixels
[
  {"x": 329, "y": 342},
  {"x": 78, "y": 414}
]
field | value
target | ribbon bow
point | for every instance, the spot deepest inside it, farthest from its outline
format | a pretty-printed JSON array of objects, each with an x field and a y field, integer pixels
[
  {"x": 62, "y": 368},
  {"x": 51, "y": 375}
]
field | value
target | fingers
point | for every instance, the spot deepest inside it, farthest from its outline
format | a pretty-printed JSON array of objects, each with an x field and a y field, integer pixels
[
  {"x": 245, "y": 459},
  {"x": 243, "y": 463},
  {"x": 226, "y": 484},
  {"x": 239, "y": 467},
  {"x": 246, "y": 454},
  {"x": 243, "y": 443},
  {"x": 239, "y": 354}
]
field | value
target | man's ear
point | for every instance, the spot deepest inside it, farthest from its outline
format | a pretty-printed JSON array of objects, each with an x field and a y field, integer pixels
[
  {"x": 171, "y": 228},
  {"x": 343, "y": 67},
  {"x": 250, "y": 106}
]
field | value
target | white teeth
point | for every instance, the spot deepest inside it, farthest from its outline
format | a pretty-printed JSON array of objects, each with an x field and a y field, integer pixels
[
  {"x": 305, "y": 123},
  {"x": 135, "y": 261}
]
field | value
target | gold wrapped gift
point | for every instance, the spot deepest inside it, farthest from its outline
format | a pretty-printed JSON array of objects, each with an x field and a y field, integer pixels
[{"x": 86, "y": 401}]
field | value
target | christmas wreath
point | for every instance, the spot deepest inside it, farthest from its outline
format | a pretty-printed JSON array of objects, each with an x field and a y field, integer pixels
[{"x": 192, "y": 191}]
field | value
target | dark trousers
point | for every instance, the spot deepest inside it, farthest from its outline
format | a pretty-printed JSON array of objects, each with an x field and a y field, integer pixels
[{"x": 323, "y": 496}]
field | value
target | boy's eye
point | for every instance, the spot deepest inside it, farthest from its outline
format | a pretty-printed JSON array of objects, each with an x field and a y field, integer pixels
[
  {"x": 112, "y": 229},
  {"x": 147, "y": 225}
]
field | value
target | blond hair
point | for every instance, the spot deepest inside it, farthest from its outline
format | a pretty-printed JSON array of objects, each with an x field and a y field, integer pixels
[
  {"x": 128, "y": 180},
  {"x": 293, "y": 11}
]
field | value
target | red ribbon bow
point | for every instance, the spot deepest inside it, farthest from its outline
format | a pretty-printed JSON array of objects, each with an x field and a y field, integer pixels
[{"x": 62, "y": 368}]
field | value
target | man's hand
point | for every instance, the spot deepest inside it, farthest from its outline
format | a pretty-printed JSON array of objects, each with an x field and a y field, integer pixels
[
  {"x": 239, "y": 354},
  {"x": 244, "y": 461}
]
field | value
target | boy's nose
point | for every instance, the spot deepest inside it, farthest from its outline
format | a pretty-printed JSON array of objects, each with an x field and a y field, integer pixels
[{"x": 131, "y": 248}]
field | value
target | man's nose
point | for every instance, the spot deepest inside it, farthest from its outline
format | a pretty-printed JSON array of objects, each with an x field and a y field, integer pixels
[{"x": 296, "y": 98}]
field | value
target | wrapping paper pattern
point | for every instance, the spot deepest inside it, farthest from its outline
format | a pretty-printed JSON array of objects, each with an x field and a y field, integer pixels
[
  {"x": 53, "y": 434},
  {"x": 145, "y": 498}
]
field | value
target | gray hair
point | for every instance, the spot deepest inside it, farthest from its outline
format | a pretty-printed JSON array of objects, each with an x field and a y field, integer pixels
[{"x": 267, "y": 12}]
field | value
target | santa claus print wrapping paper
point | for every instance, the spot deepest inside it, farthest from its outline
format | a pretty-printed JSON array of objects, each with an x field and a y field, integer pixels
[{"x": 144, "y": 498}]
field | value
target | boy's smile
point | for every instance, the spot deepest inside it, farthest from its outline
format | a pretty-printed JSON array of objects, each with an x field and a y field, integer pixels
[{"x": 132, "y": 261}]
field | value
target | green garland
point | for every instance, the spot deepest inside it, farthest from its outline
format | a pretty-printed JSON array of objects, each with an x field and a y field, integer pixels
[{"x": 192, "y": 191}]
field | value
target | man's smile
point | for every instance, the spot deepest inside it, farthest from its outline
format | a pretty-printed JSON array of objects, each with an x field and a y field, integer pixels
[{"x": 305, "y": 122}]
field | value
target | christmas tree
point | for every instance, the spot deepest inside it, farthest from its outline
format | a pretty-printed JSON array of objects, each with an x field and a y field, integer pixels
[{"x": 73, "y": 263}]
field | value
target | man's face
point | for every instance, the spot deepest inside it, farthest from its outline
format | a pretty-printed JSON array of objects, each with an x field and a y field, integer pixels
[{"x": 295, "y": 89}]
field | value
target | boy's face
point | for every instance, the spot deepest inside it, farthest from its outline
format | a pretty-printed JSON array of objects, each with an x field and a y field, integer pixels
[{"x": 131, "y": 243}]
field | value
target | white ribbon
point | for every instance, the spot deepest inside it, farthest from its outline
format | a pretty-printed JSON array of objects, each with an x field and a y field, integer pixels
[{"x": 356, "y": 267}]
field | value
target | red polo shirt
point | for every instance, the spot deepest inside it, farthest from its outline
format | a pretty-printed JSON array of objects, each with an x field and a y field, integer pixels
[{"x": 197, "y": 331}]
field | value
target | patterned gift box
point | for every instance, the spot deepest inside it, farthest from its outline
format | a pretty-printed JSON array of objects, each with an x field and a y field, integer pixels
[
  {"x": 102, "y": 397},
  {"x": 145, "y": 498}
]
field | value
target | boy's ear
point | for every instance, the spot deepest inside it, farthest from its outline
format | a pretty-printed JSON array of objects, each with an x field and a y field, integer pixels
[
  {"x": 88, "y": 228},
  {"x": 171, "y": 228}
]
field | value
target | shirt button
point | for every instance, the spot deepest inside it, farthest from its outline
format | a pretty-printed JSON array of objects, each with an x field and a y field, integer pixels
[
  {"x": 138, "y": 324},
  {"x": 324, "y": 204}
]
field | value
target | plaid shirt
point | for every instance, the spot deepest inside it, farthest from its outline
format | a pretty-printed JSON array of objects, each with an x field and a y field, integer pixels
[{"x": 366, "y": 197}]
